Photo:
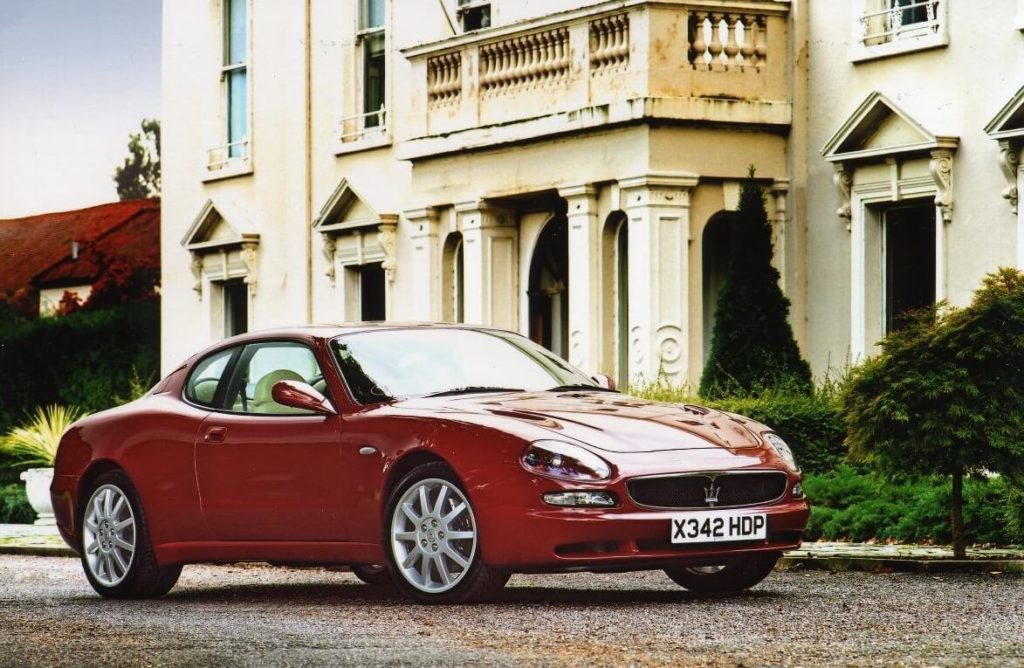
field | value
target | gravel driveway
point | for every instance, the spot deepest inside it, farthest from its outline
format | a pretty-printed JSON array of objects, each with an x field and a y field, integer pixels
[{"x": 258, "y": 615}]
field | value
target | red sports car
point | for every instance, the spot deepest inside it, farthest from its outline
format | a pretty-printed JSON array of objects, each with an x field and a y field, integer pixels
[{"x": 441, "y": 458}]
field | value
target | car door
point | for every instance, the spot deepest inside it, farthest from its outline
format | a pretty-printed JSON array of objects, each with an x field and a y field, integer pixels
[{"x": 267, "y": 472}]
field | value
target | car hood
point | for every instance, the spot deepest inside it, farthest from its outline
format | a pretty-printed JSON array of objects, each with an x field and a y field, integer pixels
[{"x": 608, "y": 421}]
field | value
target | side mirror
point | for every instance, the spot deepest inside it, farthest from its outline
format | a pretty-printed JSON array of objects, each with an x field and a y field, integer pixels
[
  {"x": 296, "y": 394},
  {"x": 604, "y": 380}
]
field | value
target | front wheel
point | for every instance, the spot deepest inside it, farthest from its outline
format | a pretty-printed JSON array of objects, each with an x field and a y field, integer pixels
[
  {"x": 736, "y": 575},
  {"x": 432, "y": 540},
  {"x": 116, "y": 550}
]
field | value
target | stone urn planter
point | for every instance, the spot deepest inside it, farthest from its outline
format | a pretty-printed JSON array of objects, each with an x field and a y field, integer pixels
[{"x": 37, "y": 488}]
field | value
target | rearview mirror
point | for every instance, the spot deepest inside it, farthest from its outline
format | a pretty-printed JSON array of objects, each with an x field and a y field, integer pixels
[
  {"x": 604, "y": 380},
  {"x": 296, "y": 394}
]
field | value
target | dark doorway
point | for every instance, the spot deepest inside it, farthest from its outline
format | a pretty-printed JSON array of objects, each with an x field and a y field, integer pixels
[
  {"x": 716, "y": 247},
  {"x": 909, "y": 262},
  {"x": 371, "y": 292},
  {"x": 548, "y": 291},
  {"x": 236, "y": 307}
]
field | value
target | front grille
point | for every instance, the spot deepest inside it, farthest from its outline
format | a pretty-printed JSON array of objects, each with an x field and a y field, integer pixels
[{"x": 694, "y": 490}]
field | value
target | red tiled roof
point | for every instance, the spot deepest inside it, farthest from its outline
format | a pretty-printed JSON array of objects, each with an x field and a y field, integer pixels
[{"x": 34, "y": 244}]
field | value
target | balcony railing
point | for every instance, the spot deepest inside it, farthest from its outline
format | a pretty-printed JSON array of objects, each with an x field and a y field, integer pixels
[
  {"x": 361, "y": 126},
  {"x": 911, "y": 20},
  {"x": 690, "y": 60},
  {"x": 221, "y": 156}
]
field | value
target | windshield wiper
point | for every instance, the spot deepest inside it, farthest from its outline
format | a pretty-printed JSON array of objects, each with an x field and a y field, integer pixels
[
  {"x": 580, "y": 386},
  {"x": 472, "y": 389}
]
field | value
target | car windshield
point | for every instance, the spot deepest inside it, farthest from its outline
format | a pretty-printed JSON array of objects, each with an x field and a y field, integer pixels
[{"x": 386, "y": 364}]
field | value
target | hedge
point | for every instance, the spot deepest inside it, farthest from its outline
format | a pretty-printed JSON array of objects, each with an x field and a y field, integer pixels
[{"x": 91, "y": 359}]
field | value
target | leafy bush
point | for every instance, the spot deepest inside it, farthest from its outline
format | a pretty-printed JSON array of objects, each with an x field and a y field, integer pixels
[
  {"x": 14, "y": 507},
  {"x": 35, "y": 442},
  {"x": 812, "y": 425},
  {"x": 86, "y": 359},
  {"x": 850, "y": 505}
]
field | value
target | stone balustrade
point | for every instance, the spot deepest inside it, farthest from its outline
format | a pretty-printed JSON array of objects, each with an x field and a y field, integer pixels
[{"x": 720, "y": 61}]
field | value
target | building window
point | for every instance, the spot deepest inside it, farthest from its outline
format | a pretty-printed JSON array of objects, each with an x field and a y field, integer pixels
[
  {"x": 372, "y": 41},
  {"x": 235, "y": 295},
  {"x": 474, "y": 14},
  {"x": 235, "y": 78},
  {"x": 909, "y": 248},
  {"x": 894, "y": 26},
  {"x": 453, "y": 281}
]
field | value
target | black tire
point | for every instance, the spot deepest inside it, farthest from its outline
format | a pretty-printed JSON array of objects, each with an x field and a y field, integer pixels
[
  {"x": 737, "y": 574},
  {"x": 113, "y": 571},
  {"x": 473, "y": 581},
  {"x": 373, "y": 575}
]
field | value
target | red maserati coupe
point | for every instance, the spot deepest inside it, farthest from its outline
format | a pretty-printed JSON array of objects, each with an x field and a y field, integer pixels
[{"x": 439, "y": 458}]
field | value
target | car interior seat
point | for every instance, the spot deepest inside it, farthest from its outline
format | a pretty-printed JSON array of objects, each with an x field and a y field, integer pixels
[{"x": 263, "y": 401}]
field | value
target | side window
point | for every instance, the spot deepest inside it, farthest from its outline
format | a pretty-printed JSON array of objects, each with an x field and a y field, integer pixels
[
  {"x": 264, "y": 364},
  {"x": 202, "y": 384}
]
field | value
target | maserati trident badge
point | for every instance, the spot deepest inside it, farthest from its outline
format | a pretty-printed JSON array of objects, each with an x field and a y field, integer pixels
[{"x": 711, "y": 494}]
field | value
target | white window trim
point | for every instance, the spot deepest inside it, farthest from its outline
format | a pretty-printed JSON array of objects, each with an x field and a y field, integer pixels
[
  {"x": 227, "y": 167},
  {"x": 364, "y": 138},
  {"x": 908, "y": 42}
]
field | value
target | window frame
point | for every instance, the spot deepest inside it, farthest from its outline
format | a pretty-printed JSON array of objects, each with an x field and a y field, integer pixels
[
  {"x": 916, "y": 36},
  {"x": 354, "y": 132},
  {"x": 222, "y": 160}
]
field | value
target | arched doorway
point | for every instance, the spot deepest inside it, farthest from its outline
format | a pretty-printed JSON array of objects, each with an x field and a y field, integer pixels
[
  {"x": 615, "y": 278},
  {"x": 548, "y": 291},
  {"x": 716, "y": 247},
  {"x": 453, "y": 279}
]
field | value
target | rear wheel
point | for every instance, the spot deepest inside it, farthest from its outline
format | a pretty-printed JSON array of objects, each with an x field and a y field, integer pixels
[
  {"x": 116, "y": 550},
  {"x": 736, "y": 575},
  {"x": 432, "y": 541}
]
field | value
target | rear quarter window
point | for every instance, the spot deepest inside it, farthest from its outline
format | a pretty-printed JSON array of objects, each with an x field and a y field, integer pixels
[{"x": 202, "y": 384}]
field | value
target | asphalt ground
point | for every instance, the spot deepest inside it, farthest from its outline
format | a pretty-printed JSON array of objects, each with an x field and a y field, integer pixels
[{"x": 249, "y": 615}]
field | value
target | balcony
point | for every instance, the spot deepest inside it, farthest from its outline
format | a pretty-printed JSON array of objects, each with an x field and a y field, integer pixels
[{"x": 719, "y": 61}]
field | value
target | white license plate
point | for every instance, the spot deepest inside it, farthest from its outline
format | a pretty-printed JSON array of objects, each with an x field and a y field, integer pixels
[{"x": 713, "y": 526}]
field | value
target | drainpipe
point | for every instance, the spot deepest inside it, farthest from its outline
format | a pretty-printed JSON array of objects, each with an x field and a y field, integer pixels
[{"x": 307, "y": 218}]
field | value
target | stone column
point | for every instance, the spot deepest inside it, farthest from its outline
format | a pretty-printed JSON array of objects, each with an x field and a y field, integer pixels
[
  {"x": 425, "y": 272},
  {"x": 657, "y": 206},
  {"x": 491, "y": 264},
  {"x": 585, "y": 294},
  {"x": 780, "y": 188}
]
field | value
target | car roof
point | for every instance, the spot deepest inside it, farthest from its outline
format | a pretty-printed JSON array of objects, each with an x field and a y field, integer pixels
[{"x": 331, "y": 330}]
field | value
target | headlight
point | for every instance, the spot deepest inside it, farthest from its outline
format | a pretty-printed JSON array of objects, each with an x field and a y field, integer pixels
[
  {"x": 782, "y": 450},
  {"x": 564, "y": 461}
]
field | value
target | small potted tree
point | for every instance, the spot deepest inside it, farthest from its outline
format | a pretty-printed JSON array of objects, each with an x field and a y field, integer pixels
[{"x": 34, "y": 444}]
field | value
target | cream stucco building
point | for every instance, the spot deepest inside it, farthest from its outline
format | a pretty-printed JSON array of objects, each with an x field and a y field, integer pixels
[{"x": 566, "y": 168}]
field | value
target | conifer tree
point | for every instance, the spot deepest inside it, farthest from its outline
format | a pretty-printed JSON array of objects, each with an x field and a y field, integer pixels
[{"x": 752, "y": 344}]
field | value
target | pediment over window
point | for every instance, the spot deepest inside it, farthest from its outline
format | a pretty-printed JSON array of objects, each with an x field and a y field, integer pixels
[
  {"x": 1009, "y": 122},
  {"x": 879, "y": 129},
  {"x": 346, "y": 209},
  {"x": 211, "y": 230}
]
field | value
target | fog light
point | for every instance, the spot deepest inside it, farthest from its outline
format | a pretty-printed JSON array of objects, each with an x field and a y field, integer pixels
[
  {"x": 580, "y": 499},
  {"x": 798, "y": 491}
]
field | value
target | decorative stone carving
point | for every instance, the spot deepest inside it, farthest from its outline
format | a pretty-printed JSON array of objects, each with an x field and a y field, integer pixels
[
  {"x": 250, "y": 257},
  {"x": 576, "y": 348},
  {"x": 329, "y": 247},
  {"x": 636, "y": 346},
  {"x": 843, "y": 180},
  {"x": 1009, "y": 162},
  {"x": 197, "y": 273},
  {"x": 387, "y": 244},
  {"x": 941, "y": 168},
  {"x": 670, "y": 349}
]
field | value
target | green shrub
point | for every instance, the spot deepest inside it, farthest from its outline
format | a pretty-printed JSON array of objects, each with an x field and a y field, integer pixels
[
  {"x": 812, "y": 425},
  {"x": 849, "y": 505},
  {"x": 87, "y": 359},
  {"x": 14, "y": 508}
]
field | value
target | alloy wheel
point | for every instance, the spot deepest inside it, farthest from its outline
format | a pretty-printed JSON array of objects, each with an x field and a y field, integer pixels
[
  {"x": 109, "y": 535},
  {"x": 433, "y": 535}
]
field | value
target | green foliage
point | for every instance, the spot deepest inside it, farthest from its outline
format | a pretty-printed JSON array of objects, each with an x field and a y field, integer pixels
[
  {"x": 86, "y": 359},
  {"x": 752, "y": 345},
  {"x": 35, "y": 442},
  {"x": 946, "y": 394},
  {"x": 139, "y": 176},
  {"x": 850, "y": 505},
  {"x": 812, "y": 424},
  {"x": 14, "y": 506}
]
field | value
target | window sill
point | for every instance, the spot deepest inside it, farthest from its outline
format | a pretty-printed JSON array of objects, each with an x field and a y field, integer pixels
[
  {"x": 231, "y": 169},
  {"x": 860, "y": 53},
  {"x": 368, "y": 141}
]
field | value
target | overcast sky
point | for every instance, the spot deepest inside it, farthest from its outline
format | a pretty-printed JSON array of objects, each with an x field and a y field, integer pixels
[{"x": 76, "y": 77}]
